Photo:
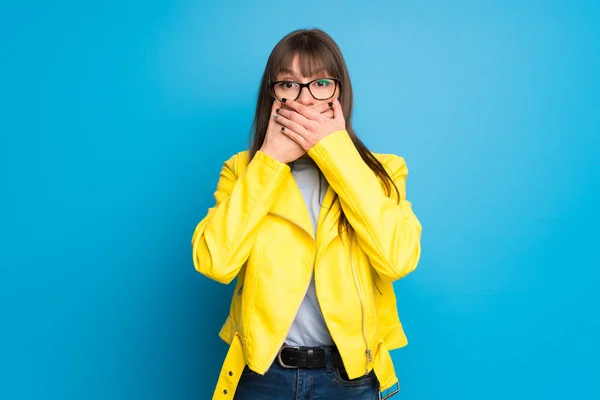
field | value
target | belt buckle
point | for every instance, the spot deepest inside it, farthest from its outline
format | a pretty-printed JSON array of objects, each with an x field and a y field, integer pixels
[{"x": 283, "y": 365}]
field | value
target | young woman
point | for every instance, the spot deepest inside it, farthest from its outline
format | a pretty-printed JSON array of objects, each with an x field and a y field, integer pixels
[{"x": 316, "y": 228}]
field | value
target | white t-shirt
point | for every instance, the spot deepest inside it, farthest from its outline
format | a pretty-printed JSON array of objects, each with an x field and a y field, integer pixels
[{"x": 308, "y": 328}]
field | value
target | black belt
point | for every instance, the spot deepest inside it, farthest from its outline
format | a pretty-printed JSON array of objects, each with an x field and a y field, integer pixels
[{"x": 308, "y": 357}]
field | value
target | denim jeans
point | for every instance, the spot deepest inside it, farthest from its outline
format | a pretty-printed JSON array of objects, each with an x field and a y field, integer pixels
[{"x": 328, "y": 383}]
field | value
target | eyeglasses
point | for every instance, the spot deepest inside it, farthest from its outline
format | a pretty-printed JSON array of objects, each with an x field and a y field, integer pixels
[{"x": 319, "y": 89}]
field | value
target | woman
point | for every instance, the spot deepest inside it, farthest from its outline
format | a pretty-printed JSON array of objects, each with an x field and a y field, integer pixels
[{"x": 316, "y": 228}]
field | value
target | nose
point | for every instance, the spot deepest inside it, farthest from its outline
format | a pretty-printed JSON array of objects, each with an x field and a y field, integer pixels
[{"x": 305, "y": 97}]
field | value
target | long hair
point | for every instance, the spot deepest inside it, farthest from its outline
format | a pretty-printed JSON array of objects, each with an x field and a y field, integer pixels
[{"x": 317, "y": 52}]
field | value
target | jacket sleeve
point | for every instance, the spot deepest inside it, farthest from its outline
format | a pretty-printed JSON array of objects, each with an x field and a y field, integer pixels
[
  {"x": 388, "y": 232},
  {"x": 222, "y": 241}
]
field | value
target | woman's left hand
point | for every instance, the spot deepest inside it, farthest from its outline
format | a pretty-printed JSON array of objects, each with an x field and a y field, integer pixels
[{"x": 307, "y": 126}]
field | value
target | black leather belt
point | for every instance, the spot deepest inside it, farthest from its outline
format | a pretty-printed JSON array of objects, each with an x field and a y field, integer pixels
[{"x": 308, "y": 357}]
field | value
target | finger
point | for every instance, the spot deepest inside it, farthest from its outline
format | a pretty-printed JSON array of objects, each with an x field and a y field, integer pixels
[
  {"x": 292, "y": 120},
  {"x": 294, "y": 136},
  {"x": 322, "y": 107},
  {"x": 337, "y": 109},
  {"x": 276, "y": 105},
  {"x": 301, "y": 120},
  {"x": 328, "y": 114},
  {"x": 306, "y": 111}
]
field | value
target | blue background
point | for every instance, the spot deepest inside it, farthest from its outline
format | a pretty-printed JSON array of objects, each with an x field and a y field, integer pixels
[{"x": 116, "y": 118}]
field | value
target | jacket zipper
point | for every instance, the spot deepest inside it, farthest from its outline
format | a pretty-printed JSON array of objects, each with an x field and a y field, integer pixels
[{"x": 362, "y": 307}]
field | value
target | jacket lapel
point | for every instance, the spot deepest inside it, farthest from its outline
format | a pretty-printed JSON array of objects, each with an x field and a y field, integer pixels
[
  {"x": 328, "y": 219},
  {"x": 290, "y": 205}
]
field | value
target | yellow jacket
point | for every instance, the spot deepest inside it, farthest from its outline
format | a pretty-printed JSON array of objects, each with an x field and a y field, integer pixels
[{"x": 260, "y": 231}]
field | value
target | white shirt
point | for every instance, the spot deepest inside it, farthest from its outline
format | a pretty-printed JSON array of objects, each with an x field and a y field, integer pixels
[{"x": 308, "y": 328}]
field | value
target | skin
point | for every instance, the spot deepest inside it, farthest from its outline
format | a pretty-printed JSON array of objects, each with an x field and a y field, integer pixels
[{"x": 306, "y": 120}]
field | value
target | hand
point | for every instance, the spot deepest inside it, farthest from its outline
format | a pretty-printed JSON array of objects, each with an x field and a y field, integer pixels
[
  {"x": 306, "y": 126},
  {"x": 280, "y": 146}
]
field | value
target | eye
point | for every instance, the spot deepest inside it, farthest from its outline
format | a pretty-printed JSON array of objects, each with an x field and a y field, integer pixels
[
  {"x": 287, "y": 84},
  {"x": 323, "y": 82}
]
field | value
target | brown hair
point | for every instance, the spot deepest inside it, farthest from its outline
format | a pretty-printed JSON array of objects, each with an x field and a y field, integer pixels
[{"x": 317, "y": 52}]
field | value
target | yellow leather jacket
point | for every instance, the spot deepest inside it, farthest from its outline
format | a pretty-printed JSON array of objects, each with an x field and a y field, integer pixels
[{"x": 260, "y": 231}]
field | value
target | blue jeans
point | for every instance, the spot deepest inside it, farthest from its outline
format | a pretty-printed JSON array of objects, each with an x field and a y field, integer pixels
[{"x": 306, "y": 384}]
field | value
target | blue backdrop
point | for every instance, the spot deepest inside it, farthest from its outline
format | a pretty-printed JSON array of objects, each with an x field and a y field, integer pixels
[{"x": 116, "y": 117}]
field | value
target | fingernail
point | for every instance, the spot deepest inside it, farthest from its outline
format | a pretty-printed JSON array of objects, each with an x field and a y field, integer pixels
[
  {"x": 284, "y": 100},
  {"x": 277, "y": 110},
  {"x": 330, "y": 103}
]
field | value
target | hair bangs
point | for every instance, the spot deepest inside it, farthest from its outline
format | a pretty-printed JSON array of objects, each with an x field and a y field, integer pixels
[{"x": 313, "y": 58}]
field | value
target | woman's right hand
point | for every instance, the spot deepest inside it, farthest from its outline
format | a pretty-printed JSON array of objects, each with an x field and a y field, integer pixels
[{"x": 277, "y": 144}]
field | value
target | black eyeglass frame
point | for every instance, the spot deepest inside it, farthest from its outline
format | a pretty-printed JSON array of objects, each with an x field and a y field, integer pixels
[{"x": 305, "y": 85}]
